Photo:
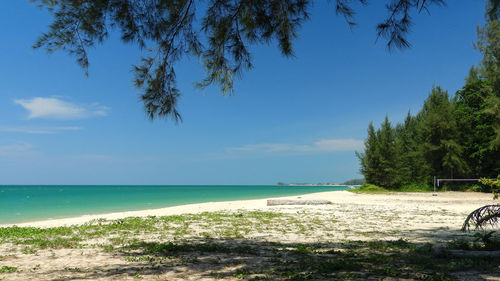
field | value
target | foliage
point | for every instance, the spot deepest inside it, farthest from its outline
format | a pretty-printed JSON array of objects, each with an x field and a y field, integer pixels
[
  {"x": 369, "y": 158},
  {"x": 369, "y": 188},
  {"x": 413, "y": 187},
  {"x": 476, "y": 188},
  {"x": 378, "y": 160},
  {"x": 439, "y": 133},
  {"x": 374, "y": 189},
  {"x": 388, "y": 158},
  {"x": 408, "y": 153},
  {"x": 489, "y": 45},
  {"x": 476, "y": 133},
  {"x": 218, "y": 32},
  {"x": 8, "y": 269},
  {"x": 488, "y": 239},
  {"x": 493, "y": 183},
  {"x": 481, "y": 241}
]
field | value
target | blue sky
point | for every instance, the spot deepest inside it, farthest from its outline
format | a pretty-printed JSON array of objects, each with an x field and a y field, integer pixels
[{"x": 290, "y": 120}]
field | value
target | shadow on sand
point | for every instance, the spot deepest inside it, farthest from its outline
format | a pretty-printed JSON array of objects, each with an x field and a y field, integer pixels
[{"x": 249, "y": 259}]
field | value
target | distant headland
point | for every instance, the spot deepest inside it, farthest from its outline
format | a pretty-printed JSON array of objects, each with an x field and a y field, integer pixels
[{"x": 349, "y": 182}]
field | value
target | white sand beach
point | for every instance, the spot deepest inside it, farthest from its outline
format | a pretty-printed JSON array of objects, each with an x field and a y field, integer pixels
[{"x": 413, "y": 217}]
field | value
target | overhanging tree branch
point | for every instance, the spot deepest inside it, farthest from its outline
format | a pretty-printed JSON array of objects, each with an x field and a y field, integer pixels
[{"x": 172, "y": 29}]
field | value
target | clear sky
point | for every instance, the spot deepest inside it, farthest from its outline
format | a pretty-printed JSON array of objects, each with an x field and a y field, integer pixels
[{"x": 290, "y": 120}]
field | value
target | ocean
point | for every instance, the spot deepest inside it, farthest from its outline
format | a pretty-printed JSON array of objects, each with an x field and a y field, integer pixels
[{"x": 22, "y": 203}]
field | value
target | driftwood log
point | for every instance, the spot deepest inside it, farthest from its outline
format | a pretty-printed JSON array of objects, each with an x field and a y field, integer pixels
[{"x": 274, "y": 202}]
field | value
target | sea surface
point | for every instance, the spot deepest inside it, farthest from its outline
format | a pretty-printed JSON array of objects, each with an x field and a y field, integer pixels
[{"x": 22, "y": 203}]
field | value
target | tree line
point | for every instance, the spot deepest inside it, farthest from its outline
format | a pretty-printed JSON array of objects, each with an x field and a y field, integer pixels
[{"x": 451, "y": 136}]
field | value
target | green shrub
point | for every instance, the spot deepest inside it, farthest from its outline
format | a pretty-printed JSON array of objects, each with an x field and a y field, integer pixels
[
  {"x": 476, "y": 188},
  {"x": 370, "y": 188},
  {"x": 416, "y": 187}
]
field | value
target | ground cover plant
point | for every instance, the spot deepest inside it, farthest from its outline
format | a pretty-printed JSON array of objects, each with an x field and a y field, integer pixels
[{"x": 479, "y": 241}]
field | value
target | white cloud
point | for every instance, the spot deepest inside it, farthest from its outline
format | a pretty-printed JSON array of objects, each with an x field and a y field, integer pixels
[
  {"x": 16, "y": 149},
  {"x": 54, "y": 108},
  {"x": 339, "y": 145},
  {"x": 39, "y": 130},
  {"x": 324, "y": 145}
]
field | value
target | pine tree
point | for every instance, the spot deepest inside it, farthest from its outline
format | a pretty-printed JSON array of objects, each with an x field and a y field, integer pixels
[
  {"x": 489, "y": 45},
  {"x": 369, "y": 159},
  {"x": 439, "y": 132},
  {"x": 413, "y": 167},
  {"x": 387, "y": 152},
  {"x": 380, "y": 161},
  {"x": 477, "y": 128}
]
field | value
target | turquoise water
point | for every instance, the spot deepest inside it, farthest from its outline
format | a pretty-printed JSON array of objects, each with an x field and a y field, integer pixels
[{"x": 28, "y": 203}]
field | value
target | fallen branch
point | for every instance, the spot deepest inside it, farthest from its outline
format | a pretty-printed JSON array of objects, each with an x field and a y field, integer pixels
[{"x": 486, "y": 215}]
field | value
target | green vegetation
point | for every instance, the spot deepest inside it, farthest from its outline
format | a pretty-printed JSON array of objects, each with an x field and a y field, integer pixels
[
  {"x": 227, "y": 225},
  {"x": 7, "y": 269},
  {"x": 370, "y": 189},
  {"x": 413, "y": 187},
  {"x": 374, "y": 189},
  {"x": 481, "y": 241},
  {"x": 494, "y": 184},
  {"x": 455, "y": 137}
]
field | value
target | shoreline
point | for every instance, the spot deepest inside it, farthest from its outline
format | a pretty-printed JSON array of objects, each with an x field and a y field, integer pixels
[{"x": 342, "y": 197}]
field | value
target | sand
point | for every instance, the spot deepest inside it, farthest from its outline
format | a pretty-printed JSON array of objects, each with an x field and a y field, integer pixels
[{"x": 414, "y": 217}]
